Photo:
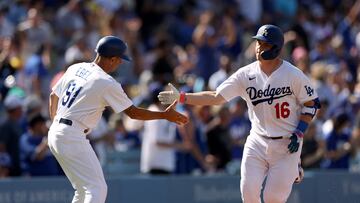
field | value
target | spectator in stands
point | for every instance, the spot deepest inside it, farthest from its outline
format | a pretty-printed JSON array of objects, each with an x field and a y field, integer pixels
[
  {"x": 11, "y": 131},
  {"x": 34, "y": 78},
  {"x": 122, "y": 139},
  {"x": 314, "y": 145},
  {"x": 194, "y": 160},
  {"x": 5, "y": 162},
  {"x": 35, "y": 32},
  {"x": 339, "y": 144},
  {"x": 98, "y": 137},
  {"x": 158, "y": 144},
  {"x": 6, "y": 27},
  {"x": 230, "y": 42},
  {"x": 10, "y": 63},
  {"x": 206, "y": 39},
  {"x": 220, "y": 76},
  {"x": 320, "y": 75},
  {"x": 321, "y": 118},
  {"x": 32, "y": 106},
  {"x": 162, "y": 68},
  {"x": 68, "y": 20},
  {"x": 300, "y": 58},
  {"x": 313, "y": 149},
  {"x": 219, "y": 139},
  {"x": 239, "y": 128},
  {"x": 78, "y": 50},
  {"x": 36, "y": 158}
]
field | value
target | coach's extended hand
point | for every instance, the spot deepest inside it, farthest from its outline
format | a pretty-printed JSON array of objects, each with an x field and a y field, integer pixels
[
  {"x": 174, "y": 116},
  {"x": 168, "y": 97}
]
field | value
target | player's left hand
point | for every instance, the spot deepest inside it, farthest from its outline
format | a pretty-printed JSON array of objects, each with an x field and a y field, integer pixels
[
  {"x": 174, "y": 116},
  {"x": 294, "y": 142},
  {"x": 168, "y": 97}
]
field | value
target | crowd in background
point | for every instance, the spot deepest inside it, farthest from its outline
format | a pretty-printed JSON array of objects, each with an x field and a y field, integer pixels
[{"x": 196, "y": 45}]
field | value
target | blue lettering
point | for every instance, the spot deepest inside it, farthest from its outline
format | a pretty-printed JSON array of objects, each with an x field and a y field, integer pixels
[
  {"x": 82, "y": 73},
  {"x": 267, "y": 95}
]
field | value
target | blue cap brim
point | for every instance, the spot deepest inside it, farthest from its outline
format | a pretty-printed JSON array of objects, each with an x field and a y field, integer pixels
[
  {"x": 125, "y": 57},
  {"x": 260, "y": 37}
]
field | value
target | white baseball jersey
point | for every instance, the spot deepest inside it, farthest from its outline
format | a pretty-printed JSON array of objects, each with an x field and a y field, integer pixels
[
  {"x": 85, "y": 90},
  {"x": 275, "y": 101}
]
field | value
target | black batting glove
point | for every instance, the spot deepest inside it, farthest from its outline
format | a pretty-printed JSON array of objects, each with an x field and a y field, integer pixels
[{"x": 295, "y": 139}]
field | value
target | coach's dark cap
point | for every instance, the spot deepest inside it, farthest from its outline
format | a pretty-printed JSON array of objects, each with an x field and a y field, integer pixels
[{"x": 110, "y": 46}]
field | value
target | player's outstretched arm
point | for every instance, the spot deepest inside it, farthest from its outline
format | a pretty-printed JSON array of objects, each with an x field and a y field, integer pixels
[
  {"x": 205, "y": 98},
  {"x": 169, "y": 114}
]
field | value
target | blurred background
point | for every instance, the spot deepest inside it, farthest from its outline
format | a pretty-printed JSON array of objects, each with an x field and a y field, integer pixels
[{"x": 196, "y": 45}]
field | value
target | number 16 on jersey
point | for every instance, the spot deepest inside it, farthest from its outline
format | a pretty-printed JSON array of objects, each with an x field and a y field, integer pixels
[{"x": 71, "y": 93}]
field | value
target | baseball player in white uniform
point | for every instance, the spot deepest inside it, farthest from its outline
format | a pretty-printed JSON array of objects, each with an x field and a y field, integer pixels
[
  {"x": 281, "y": 103},
  {"x": 76, "y": 105}
]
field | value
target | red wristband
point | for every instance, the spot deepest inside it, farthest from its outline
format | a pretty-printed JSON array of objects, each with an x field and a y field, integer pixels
[{"x": 182, "y": 98}]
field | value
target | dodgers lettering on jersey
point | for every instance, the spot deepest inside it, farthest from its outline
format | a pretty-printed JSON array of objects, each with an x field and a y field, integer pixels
[
  {"x": 267, "y": 95},
  {"x": 274, "y": 102},
  {"x": 85, "y": 90}
]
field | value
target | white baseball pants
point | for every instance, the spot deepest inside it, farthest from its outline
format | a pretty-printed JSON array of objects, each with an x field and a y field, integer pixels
[
  {"x": 266, "y": 157},
  {"x": 79, "y": 162}
]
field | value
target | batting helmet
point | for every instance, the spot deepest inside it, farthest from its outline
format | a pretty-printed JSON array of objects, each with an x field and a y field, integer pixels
[
  {"x": 273, "y": 35},
  {"x": 110, "y": 46}
]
